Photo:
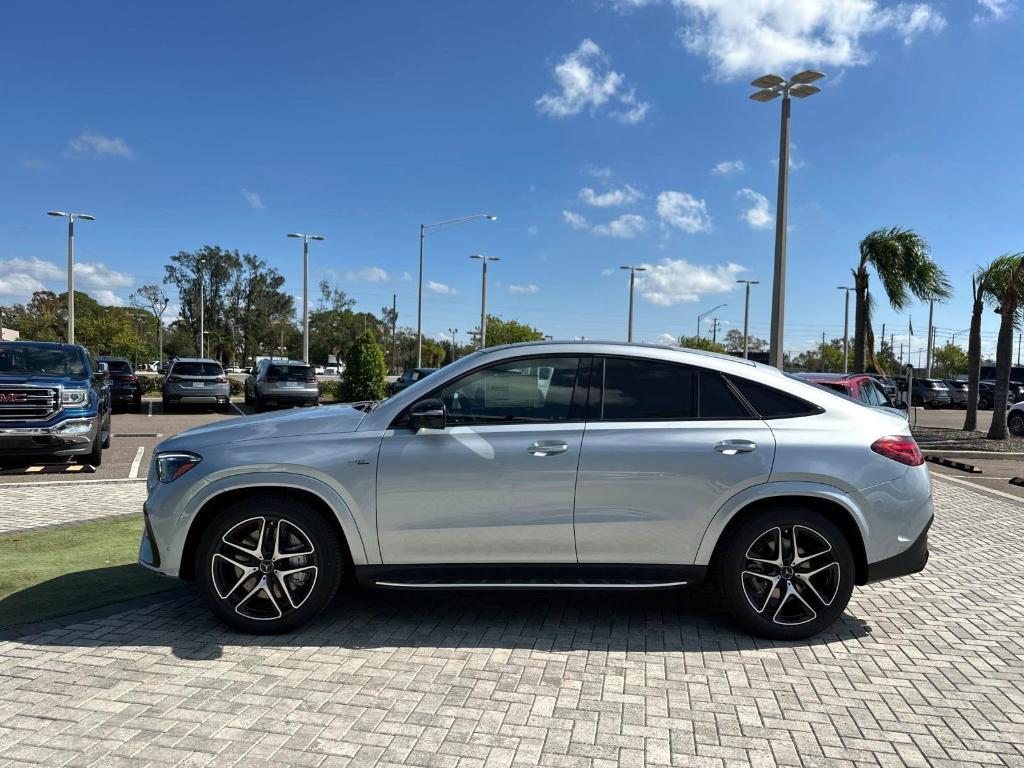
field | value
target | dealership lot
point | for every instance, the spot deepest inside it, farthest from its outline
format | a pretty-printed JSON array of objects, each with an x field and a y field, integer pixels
[{"x": 921, "y": 671}]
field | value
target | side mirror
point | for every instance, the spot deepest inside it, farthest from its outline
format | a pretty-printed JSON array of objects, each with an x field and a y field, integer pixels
[
  {"x": 428, "y": 414},
  {"x": 102, "y": 372}
]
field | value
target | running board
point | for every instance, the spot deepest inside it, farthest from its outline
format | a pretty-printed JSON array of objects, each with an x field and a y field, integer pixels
[{"x": 530, "y": 584}]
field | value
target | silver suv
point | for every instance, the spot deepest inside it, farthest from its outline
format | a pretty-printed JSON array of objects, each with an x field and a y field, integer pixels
[
  {"x": 196, "y": 381},
  {"x": 281, "y": 382},
  {"x": 550, "y": 465}
]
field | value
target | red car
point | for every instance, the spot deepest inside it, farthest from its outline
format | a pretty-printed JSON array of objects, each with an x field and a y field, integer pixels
[{"x": 858, "y": 386}]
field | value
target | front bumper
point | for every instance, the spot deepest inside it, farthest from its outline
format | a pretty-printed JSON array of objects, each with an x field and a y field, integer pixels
[
  {"x": 911, "y": 560},
  {"x": 72, "y": 436}
]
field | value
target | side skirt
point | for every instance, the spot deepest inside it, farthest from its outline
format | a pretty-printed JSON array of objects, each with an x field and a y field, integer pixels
[{"x": 529, "y": 576}]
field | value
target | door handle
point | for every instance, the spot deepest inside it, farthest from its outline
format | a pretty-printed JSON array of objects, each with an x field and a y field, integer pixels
[
  {"x": 732, "y": 447},
  {"x": 547, "y": 448}
]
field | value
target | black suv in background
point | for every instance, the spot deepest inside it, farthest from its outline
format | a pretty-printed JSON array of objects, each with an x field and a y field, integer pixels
[
  {"x": 411, "y": 376},
  {"x": 124, "y": 384}
]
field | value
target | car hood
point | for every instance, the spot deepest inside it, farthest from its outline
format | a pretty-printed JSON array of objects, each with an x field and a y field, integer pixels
[
  {"x": 267, "y": 426},
  {"x": 42, "y": 380}
]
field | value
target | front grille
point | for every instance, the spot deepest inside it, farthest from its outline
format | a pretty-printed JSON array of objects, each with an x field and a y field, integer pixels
[{"x": 28, "y": 402}]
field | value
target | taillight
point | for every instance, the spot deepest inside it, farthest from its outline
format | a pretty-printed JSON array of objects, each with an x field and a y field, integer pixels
[
  {"x": 222, "y": 379},
  {"x": 899, "y": 448},
  {"x": 132, "y": 379},
  {"x": 174, "y": 378}
]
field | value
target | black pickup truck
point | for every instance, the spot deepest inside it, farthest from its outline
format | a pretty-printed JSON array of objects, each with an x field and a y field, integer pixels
[{"x": 54, "y": 402}]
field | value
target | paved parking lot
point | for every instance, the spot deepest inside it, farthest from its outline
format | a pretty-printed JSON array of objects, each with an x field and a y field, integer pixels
[{"x": 924, "y": 671}]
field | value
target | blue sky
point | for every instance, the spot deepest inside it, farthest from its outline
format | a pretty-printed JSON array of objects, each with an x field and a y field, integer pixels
[{"x": 601, "y": 132}]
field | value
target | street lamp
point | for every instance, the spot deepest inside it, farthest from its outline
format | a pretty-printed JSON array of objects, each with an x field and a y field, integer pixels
[
  {"x": 746, "y": 316},
  {"x": 773, "y": 86},
  {"x": 202, "y": 304},
  {"x": 632, "y": 281},
  {"x": 846, "y": 328},
  {"x": 71, "y": 265},
  {"x": 701, "y": 317},
  {"x": 453, "y": 331},
  {"x": 424, "y": 228},
  {"x": 305, "y": 290},
  {"x": 483, "y": 296}
]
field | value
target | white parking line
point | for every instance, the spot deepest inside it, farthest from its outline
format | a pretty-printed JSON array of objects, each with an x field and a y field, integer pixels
[
  {"x": 134, "y": 471},
  {"x": 240, "y": 411}
]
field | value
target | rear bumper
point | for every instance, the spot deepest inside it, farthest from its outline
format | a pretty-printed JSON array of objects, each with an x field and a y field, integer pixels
[{"x": 911, "y": 560}]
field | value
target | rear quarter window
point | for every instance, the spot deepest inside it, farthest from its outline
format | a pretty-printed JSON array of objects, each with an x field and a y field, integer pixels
[{"x": 771, "y": 403}]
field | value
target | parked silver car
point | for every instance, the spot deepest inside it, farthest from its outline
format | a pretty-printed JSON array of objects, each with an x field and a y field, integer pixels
[
  {"x": 281, "y": 382},
  {"x": 196, "y": 381},
  {"x": 550, "y": 465}
]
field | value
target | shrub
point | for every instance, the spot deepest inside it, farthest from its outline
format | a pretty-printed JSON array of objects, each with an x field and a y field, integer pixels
[
  {"x": 364, "y": 371},
  {"x": 330, "y": 390}
]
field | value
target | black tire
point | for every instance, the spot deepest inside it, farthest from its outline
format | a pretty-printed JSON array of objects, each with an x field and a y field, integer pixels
[
  {"x": 917, "y": 401},
  {"x": 106, "y": 437},
  {"x": 983, "y": 404},
  {"x": 136, "y": 406},
  {"x": 255, "y": 614},
  {"x": 94, "y": 457},
  {"x": 168, "y": 408},
  {"x": 258, "y": 404},
  {"x": 778, "y": 617},
  {"x": 1015, "y": 423},
  {"x": 224, "y": 408}
]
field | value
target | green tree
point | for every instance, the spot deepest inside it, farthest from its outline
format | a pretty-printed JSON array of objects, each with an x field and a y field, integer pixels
[
  {"x": 1007, "y": 292},
  {"x": 508, "y": 332},
  {"x": 823, "y": 358},
  {"x": 949, "y": 360},
  {"x": 901, "y": 261},
  {"x": 734, "y": 342},
  {"x": 699, "y": 342},
  {"x": 364, "y": 370},
  {"x": 153, "y": 299},
  {"x": 886, "y": 359},
  {"x": 980, "y": 290}
]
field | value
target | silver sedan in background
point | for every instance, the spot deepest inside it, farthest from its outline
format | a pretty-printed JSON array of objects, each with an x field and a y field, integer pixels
[{"x": 553, "y": 466}]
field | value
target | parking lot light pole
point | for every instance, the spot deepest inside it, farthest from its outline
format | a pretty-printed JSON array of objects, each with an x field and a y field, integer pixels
[
  {"x": 424, "y": 230},
  {"x": 483, "y": 296},
  {"x": 846, "y": 328},
  {"x": 453, "y": 331},
  {"x": 746, "y": 316},
  {"x": 632, "y": 282},
  {"x": 71, "y": 265},
  {"x": 771, "y": 87},
  {"x": 305, "y": 290},
  {"x": 202, "y": 305},
  {"x": 701, "y": 317}
]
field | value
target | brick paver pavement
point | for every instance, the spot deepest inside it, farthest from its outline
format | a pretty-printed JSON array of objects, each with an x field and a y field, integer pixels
[
  {"x": 31, "y": 506},
  {"x": 923, "y": 671}
]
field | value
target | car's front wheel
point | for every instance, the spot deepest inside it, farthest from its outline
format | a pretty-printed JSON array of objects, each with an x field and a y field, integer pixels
[
  {"x": 1015, "y": 423},
  {"x": 269, "y": 565},
  {"x": 787, "y": 574}
]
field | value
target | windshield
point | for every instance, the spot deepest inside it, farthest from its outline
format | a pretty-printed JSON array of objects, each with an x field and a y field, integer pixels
[
  {"x": 34, "y": 360},
  {"x": 197, "y": 369}
]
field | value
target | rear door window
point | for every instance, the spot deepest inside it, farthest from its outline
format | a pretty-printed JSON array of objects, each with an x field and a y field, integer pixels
[
  {"x": 771, "y": 403},
  {"x": 644, "y": 390}
]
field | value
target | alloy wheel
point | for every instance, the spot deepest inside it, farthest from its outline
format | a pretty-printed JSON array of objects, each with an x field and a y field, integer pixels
[
  {"x": 790, "y": 574},
  {"x": 265, "y": 567}
]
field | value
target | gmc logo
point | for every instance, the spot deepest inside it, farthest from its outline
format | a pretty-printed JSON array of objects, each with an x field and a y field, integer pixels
[{"x": 13, "y": 397}]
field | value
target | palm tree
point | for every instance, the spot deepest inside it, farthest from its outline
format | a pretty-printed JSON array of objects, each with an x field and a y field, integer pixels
[
  {"x": 901, "y": 261},
  {"x": 1007, "y": 291},
  {"x": 980, "y": 288}
]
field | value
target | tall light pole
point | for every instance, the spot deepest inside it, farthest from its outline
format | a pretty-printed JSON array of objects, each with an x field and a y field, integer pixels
[
  {"x": 702, "y": 316},
  {"x": 931, "y": 339},
  {"x": 453, "y": 331},
  {"x": 746, "y": 316},
  {"x": 424, "y": 229},
  {"x": 632, "y": 282},
  {"x": 773, "y": 86},
  {"x": 846, "y": 328},
  {"x": 202, "y": 305},
  {"x": 71, "y": 265},
  {"x": 305, "y": 290},
  {"x": 483, "y": 295}
]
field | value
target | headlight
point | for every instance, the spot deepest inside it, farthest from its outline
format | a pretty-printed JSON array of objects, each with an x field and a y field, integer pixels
[
  {"x": 74, "y": 397},
  {"x": 171, "y": 466},
  {"x": 75, "y": 427}
]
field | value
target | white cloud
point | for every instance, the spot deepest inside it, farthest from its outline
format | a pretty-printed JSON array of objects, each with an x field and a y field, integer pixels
[
  {"x": 602, "y": 173},
  {"x": 407, "y": 277},
  {"x": 668, "y": 338},
  {"x": 18, "y": 286},
  {"x": 33, "y": 267},
  {"x": 99, "y": 276},
  {"x": 728, "y": 167},
  {"x": 993, "y": 10},
  {"x": 795, "y": 161},
  {"x": 574, "y": 220},
  {"x": 626, "y": 227},
  {"x": 97, "y": 144},
  {"x": 674, "y": 281},
  {"x": 440, "y": 288},
  {"x": 585, "y": 81},
  {"x": 369, "y": 275},
  {"x": 751, "y": 37},
  {"x": 684, "y": 211},
  {"x": 253, "y": 199},
  {"x": 613, "y": 197},
  {"x": 106, "y": 297},
  {"x": 533, "y": 229},
  {"x": 758, "y": 215},
  {"x": 528, "y": 288}
]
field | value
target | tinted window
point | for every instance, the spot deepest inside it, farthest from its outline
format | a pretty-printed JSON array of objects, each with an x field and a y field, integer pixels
[
  {"x": 197, "y": 369},
  {"x": 636, "y": 390},
  {"x": 770, "y": 403},
  {"x": 290, "y": 372},
  {"x": 60, "y": 362},
  {"x": 534, "y": 390},
  {"x": 118, "y": 366},
  {"x": 871, "y": 395},
  {"x": 717, "y": 401}
]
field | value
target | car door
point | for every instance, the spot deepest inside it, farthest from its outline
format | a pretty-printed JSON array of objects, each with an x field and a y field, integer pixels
[
  {"x": 496, "y": 484},
  {"x": 666, "y": 447}
]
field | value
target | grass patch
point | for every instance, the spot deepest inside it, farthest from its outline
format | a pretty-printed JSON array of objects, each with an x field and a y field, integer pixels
[{"x": 46, "y": 574}]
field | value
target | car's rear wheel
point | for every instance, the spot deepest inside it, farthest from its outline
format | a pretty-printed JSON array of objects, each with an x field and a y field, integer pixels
[
  {"x": 786, "y": 574},
  {"x": 1015, "y": 423},
  {"x": 268, "y": 565}
]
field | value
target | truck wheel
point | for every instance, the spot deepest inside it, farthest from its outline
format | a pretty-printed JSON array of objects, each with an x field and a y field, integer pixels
[
  {"x": 167, "y": 405},
  {"x": 95, "y": 457}
]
